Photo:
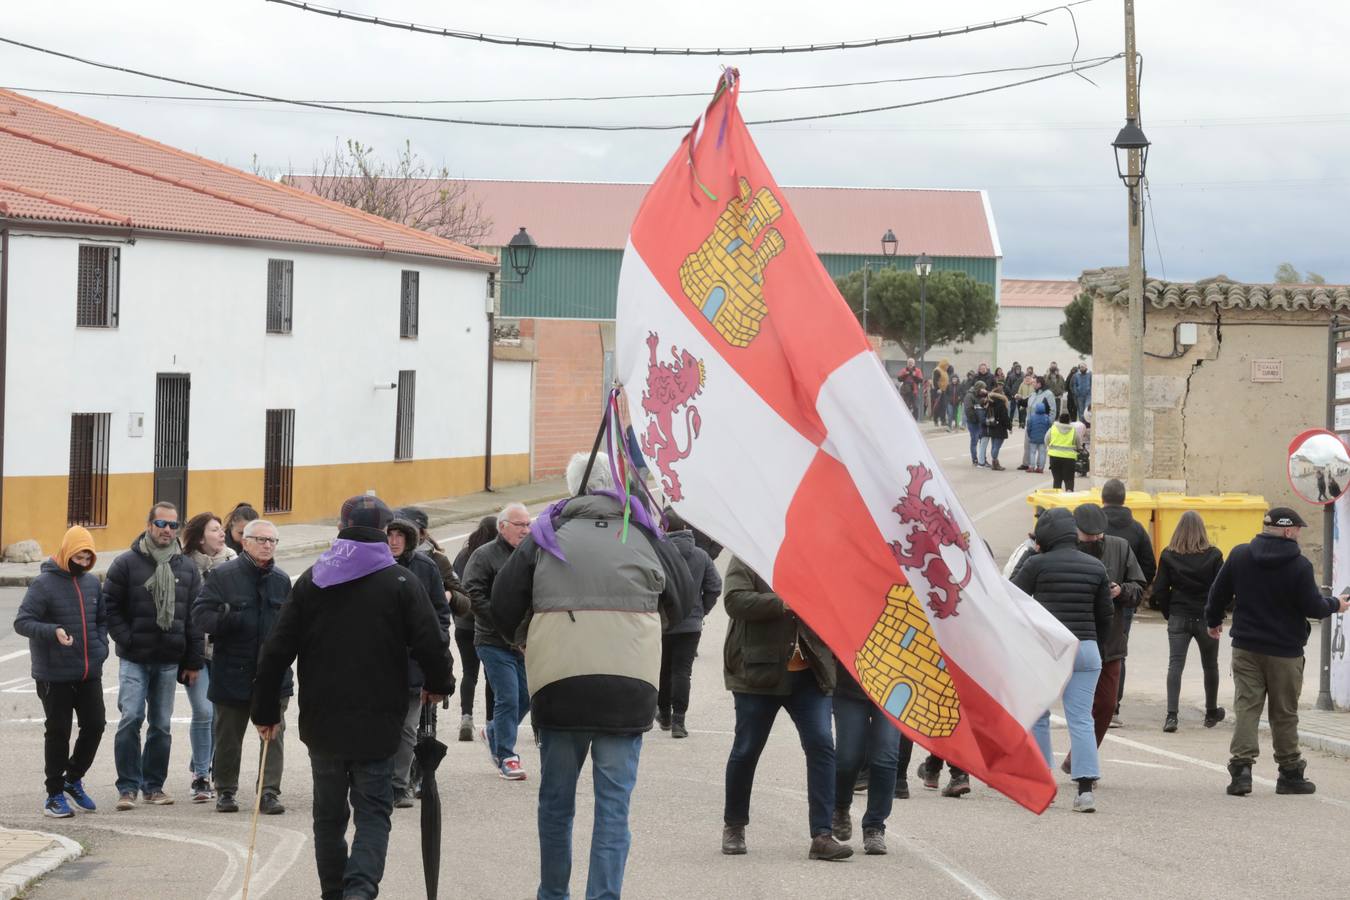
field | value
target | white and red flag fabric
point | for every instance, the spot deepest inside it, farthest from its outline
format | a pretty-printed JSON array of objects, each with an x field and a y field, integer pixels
[{"x": 774, "y": 428}]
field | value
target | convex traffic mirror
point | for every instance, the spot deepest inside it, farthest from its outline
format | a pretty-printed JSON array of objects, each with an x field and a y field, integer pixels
[{"x": 1319, "y": 466}]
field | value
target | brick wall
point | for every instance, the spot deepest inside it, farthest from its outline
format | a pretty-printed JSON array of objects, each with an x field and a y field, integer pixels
[{"x": 568, "y": 390}]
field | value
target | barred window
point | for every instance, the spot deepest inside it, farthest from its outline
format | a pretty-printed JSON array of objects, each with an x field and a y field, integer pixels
[
  {"x": 96, "y": 286},
  {"x": 87, "y": 490},
  {"x": 407, "y": 307},
  {"x": 403, "y": 419},
  {"x": 280, "y": 275},
  {"x": 278, "y": 460}
]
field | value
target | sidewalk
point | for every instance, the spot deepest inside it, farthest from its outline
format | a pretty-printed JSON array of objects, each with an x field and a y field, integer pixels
[
  {"x": 312, "y": 537},
  {"x": 25, "y": 856},
  {"x": 1318, "y": 729}
]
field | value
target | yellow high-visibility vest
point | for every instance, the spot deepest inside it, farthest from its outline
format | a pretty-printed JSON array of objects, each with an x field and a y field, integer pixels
[{"x": 1062, "y": 443}]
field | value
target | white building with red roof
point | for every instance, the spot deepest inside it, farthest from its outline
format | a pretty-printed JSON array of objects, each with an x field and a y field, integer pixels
[{"x": 175, "y": 329}]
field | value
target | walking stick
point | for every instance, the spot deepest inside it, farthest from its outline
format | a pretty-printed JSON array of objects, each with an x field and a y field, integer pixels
[{"x": 257, "y": 808}]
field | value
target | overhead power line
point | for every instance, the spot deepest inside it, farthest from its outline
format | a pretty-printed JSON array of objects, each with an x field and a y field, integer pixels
[
  {"x": 581, "y": 47},
  {"x": 385, "y": 114},
  {"x": 565, "y": 99}
]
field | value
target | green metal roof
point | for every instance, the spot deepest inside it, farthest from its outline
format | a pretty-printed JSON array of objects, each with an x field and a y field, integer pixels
[{"x": 584, "y": 284}]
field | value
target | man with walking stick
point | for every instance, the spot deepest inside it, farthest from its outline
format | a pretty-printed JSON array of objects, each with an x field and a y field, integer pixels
[{"x": 351, "y": 621}]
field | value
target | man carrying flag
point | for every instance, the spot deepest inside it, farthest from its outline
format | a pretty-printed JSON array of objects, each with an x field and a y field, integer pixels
[{"x": 732, "y": 339}]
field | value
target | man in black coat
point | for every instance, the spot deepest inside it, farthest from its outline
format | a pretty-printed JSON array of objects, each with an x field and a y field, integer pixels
[
  {"x": 149, "y": 591},
  {"x": 403, "y": 538},
  {"x": 1120, "y": 522},
  {"x": 1271, "y": 589},
  {"x": 238, "y": 607},
  {"x": 351, "y": 620}
]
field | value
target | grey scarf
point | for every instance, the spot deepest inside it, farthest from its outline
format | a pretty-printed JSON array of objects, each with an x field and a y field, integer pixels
[{"x": 161, "y": 584}]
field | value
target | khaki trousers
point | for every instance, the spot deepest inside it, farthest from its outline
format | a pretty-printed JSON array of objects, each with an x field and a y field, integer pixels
[{"x": 1261, "y": 681}]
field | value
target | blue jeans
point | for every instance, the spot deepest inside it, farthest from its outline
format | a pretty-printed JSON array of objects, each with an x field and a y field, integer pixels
[
  {"x": 1036, "y": 455},
  {"x": 989, "y": 448},
  {"x": 370, "y": 784},
  {"x": 614, "y": 764},
  {"x": 1078, "y": 694},
  {"x": 810, "y": 711},
  {"x": 975, "y": 429},
  {"x": 505, "y": 670},
  {"x": 862, "y": 730},
  {"x": 203, "y": 713},
  {"x": 144, "y": 690}
]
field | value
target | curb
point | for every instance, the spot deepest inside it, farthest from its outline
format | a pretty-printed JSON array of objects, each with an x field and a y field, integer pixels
[
  {"x": 1314, "y": 741},
  {"x": 16, "y": 878}
]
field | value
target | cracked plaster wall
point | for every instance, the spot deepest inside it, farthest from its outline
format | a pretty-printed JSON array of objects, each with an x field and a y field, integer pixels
[{"x": 1208, "y": 428}]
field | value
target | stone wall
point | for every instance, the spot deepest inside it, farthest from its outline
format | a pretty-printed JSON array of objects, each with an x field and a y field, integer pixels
[{"x": 1208, "y": 427}]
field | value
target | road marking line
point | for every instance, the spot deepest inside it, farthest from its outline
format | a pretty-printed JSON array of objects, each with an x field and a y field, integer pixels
[
  {"x": 230, "y": 849},
  {"x": 973, "y": 885},
  {"x": 15, "y": 655},
  {"x": 1142, "y": 765},
  {"x": 5, "y": 684},
  {"x": 1201, "y": 763},
  {"x": 284, "y": 856},
  {"x": 1019, "y": 497}
]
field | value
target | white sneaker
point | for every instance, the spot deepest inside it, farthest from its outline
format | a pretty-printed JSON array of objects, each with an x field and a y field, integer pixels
[
  {"x": 482, "y": 736},
  {"x": 1085, "y": 803}
]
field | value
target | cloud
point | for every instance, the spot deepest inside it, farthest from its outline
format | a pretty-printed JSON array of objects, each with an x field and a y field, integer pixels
[{"x": 1245, "y": 109}]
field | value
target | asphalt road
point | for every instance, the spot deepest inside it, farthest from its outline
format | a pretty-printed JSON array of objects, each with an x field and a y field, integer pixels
[{"x": 1165, "y": 827}]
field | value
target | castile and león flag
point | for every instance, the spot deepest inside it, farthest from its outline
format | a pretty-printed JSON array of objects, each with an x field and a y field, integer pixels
[{"x": 773, "y": 427}]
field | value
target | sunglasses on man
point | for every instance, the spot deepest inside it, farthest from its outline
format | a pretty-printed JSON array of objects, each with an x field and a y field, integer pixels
[{"x": 165, "y": 523}]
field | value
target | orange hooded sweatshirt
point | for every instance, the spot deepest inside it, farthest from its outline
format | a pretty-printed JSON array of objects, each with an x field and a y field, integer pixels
[{"x": 76, "y": 539}]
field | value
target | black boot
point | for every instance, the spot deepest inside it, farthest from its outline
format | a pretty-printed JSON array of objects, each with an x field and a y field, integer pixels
[
  {"x": 733, "y": 840},
  {"x": 663, "y": 719},
  {"x": 1214, "y": 716},
  {"x": 1291, "y": 780},
  {"x": 1241, "y": 784},
  {"x": 677, "y": 729}
]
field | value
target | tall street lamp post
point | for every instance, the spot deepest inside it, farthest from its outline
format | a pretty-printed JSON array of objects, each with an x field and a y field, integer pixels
[
  {"x": 1131, "y": 140},
  {"x": 520, "y": 251},
  {"x": 888, "y": 248},
  {"x": 923, "y": 266}
]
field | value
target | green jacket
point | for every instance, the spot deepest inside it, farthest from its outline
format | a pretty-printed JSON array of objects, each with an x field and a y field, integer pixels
[{"x": 761, "y": 637}]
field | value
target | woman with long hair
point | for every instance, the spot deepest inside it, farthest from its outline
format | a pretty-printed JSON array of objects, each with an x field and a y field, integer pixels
[
  {"x": 204, "y": 543},
  {"x": 241, "y": 515},
  {"x": 1186, "y": 571},
  {"x": 485, "y": 533}
]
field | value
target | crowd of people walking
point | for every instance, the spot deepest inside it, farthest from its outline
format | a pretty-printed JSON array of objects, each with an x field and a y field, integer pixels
[{"x": 593, "y": 640}]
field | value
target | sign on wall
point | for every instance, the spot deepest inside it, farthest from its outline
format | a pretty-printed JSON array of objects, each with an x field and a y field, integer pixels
[{"x": 1266, "y": 371}]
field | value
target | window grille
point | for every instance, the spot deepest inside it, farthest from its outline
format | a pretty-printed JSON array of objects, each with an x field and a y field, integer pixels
[
  {"x": 280, "y": 277},
  {"x": 279, "y": 460},
  {"x": 403, "y": 421},
  {"x": 96, "y": 286},
  {"x": 407, "y": 308},
  {"x": 87, "y": 491}
]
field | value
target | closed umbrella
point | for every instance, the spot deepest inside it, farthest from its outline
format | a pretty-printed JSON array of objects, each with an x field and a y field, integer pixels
[{"x": 429, "y": 752}]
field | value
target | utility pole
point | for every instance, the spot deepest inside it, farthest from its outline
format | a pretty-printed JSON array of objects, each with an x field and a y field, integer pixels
[{"x": 1135, "y": 472}]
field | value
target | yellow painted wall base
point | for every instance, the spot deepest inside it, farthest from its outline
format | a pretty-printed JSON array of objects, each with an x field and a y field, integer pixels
[{"x": 35, "y": 507}]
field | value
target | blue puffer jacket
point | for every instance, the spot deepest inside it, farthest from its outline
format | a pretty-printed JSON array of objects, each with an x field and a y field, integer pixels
[
  {"x": 1039, "y": 420},
  {"x": 705, "y": 580},
  {"x": 55, "y": 600}
]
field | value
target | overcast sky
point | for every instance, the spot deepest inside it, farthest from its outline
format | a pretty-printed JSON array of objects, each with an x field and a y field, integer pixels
[{"x": 1244, "y": 101}]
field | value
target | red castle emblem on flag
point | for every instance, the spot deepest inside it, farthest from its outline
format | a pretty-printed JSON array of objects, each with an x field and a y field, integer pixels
[
  {"x": 934, "y": 527},
  {"x": 670, "y": 388}
]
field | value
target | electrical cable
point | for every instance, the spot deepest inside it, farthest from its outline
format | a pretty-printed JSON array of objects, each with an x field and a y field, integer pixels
[
  {"x": 658, "y": 96},
  {"x": 1153, "y": 227},
  {"x": 581, "y": 47},
  {"x": 538, "y": 125}
]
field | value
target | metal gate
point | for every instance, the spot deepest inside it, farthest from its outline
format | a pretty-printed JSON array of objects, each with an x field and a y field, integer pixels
[{"x": 171, "y": 440}]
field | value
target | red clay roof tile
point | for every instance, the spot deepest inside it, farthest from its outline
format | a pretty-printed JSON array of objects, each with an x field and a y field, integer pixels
[{"x": 59, "y": 166}]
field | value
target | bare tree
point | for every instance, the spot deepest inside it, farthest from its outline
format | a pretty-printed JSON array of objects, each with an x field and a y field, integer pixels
[{"x": 406, "y": 189}]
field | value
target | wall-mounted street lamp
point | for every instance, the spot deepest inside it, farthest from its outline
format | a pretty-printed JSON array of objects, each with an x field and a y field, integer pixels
[
  {"x": 520, "y": 253},
  {"x": 889, "y": 244}
]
